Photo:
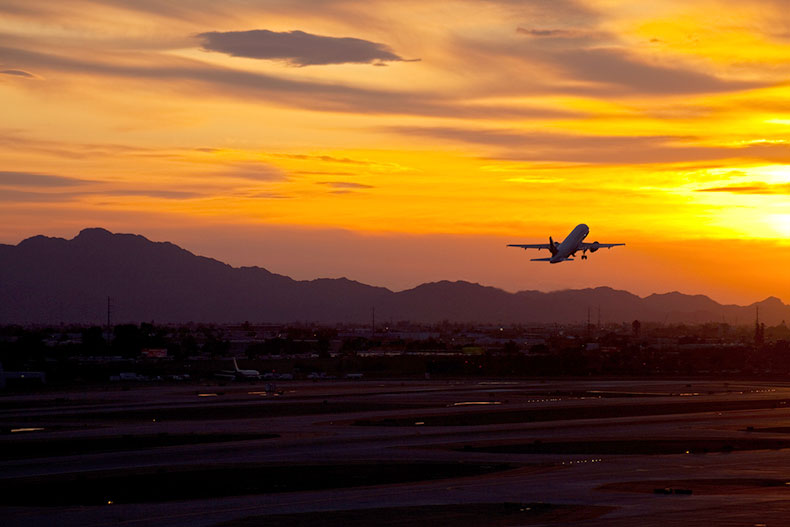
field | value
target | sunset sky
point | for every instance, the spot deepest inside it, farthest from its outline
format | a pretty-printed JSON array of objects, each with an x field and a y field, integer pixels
[{"x": 402, "y": 142}]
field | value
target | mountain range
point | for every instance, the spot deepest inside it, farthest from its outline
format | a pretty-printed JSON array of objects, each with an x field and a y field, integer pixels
[{"x": 48, "y": 280}]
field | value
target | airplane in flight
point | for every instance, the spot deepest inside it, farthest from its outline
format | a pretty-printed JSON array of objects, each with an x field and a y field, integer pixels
[
  {"x": 237, "y": 374},
  {"x": 562, "y": 252}
]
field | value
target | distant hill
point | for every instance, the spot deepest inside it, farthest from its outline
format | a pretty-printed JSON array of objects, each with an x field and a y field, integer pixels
[{"x": 53, "y": 280}]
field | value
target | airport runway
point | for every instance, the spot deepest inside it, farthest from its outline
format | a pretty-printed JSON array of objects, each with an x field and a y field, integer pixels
[{"x": 591, "y": 452}]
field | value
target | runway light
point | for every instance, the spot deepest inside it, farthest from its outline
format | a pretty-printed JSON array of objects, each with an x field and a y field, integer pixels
[{"x": 109, "y": 502}]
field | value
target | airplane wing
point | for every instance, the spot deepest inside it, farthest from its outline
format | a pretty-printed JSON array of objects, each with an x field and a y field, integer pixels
[
  {"x": 585, "y": 246},
  {"x": 530, "y": 245}
]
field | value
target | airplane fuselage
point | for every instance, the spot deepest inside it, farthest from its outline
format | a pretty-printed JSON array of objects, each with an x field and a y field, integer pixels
[
  {"x": 565, "y": 251},
  {"x": 238, "y": 374},
  {"x": 570, "y": 244}
]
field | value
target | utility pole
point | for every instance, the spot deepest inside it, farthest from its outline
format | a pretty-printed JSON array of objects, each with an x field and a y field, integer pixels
[
  {"x": 373, "y": 321},
  {"x": 109, "y": 312},
  {"x": 589, "y": 325}
]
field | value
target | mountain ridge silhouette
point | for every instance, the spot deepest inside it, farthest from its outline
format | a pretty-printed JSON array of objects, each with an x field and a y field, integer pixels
[{"x": 47, "y": 280}]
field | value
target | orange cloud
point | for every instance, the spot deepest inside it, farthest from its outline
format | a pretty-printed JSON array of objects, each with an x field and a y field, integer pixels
[{"x": 756, "y": 187}]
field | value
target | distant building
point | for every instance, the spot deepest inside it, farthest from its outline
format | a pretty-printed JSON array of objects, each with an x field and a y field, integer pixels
[{"x": 21, "y": 378}]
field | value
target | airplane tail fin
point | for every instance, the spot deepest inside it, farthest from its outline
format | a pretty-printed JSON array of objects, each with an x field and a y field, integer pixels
[
  {"x": 235, "y": 364},
  {"x": 552, "y": 247}
]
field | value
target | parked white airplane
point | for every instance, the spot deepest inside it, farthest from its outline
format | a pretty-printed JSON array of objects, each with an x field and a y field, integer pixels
[
  {"x": 562, "y": 252},
  {"x": 237, "y": 374}
]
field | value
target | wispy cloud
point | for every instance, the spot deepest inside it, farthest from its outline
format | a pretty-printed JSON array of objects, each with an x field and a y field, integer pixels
[
  {"x": 515, "y": 145},
  {"x": 252, "y": 86},
  {"x": 33, "y": 187},
  {"x": 555, "y": 146},
  {"x": 618, "y": 68},
  {"x": 553, "y": 33},
  {"x": 253, "y": 171},
  {"x": 15, "y": 195},
  {"x": 297, "y": 47},
  {"x": 51, "y": 196},
  {"x": 589, "y": 61},
  {"x": 756, "y": 187},
  {"x": 322, "y": 173},
  {"x": 153, "y": 193},
  {"x": 267, "y": 195},
  {"x": 347, "y": 185},
  {"x": 328, "y": 159},
  {"x": 16, "y": 140},
  {"x": 29, "y": 179},
  {"x": 18, "y": 73}
]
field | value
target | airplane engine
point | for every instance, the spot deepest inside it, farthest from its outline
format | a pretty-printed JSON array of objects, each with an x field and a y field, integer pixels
[{"x": 594, "y": 247}]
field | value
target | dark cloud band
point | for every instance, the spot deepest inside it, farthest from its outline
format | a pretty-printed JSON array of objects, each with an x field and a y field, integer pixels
[
  {"x": 227, "y": 82},
  {"x": 297, "y": 47},
  {"x": 28, "y": 179},
  {"x": 18, "y": 73}
]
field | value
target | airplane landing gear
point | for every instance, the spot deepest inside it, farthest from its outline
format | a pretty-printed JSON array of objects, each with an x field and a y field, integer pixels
[{"x": 584, "y": 257}]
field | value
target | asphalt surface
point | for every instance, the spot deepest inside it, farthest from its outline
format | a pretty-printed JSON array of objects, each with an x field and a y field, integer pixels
[{"x": 367, "y": 423}]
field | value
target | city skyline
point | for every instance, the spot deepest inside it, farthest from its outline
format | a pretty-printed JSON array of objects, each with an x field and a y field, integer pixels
[{"x": 397, "y": 144}]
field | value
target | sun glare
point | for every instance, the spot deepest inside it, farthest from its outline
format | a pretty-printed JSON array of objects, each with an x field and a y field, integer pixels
[{"x": 781, "y": 224}]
